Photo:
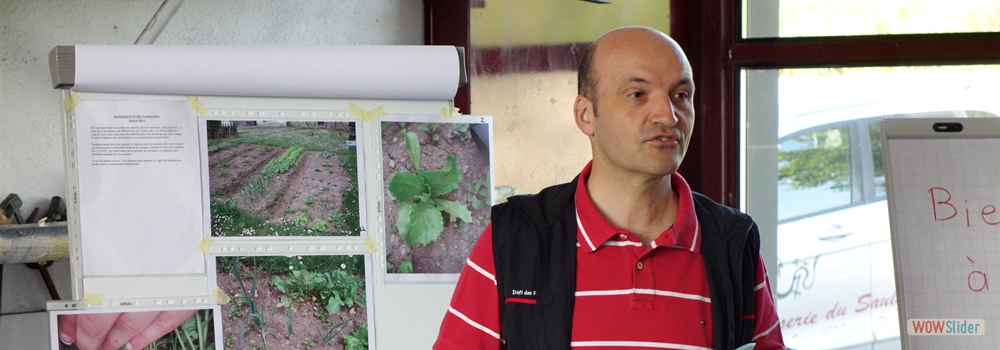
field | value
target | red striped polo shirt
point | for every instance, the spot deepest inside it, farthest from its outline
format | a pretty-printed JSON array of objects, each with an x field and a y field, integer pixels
[{"x": 627, "y": 296}]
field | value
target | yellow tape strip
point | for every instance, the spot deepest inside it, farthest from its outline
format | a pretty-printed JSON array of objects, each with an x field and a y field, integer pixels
[
  {"x": 449, "y": 112},
  {"x": 370, "y": 244},
  {"x": 220, "y": 296},
  {"x": 205, "y": 244},
  {"x": 362, "y": 114},
  {"x": 41, "y": 222},
  {"x": 92, "y": 298},
  {"x": 196, "y": 105},
  {"x": 71, "y": 101}
]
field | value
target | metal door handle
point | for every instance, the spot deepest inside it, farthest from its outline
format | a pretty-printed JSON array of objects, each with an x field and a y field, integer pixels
[{"x": 835, "y": 232}]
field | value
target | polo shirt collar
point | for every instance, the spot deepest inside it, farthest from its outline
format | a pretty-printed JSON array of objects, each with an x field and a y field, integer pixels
[{"x": 593, "y": 229}]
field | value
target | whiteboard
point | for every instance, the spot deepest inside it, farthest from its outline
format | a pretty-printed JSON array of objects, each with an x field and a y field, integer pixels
[
  {"x": 138, "y": 155},
  {"x": 943, "y": 200},
  {"x": 400, "y": 311}
]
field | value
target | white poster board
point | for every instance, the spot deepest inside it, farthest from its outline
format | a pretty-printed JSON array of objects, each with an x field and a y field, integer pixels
[
  {"x": 943, "y": 200},
  {"x": 249, "y": 199}
]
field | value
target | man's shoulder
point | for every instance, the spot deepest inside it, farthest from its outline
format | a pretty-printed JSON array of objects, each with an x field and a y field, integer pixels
[
  {"x": 539, "y": 207},
  {"x": 706, "y": 205},
  {"x": 714, "y": 216}
]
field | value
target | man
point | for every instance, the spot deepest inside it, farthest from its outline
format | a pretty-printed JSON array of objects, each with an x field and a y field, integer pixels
[{"x": 625, "y": 256}]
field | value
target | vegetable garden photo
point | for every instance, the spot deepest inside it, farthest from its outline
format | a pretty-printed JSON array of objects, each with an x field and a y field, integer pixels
[{"x": 283, "y": 179}]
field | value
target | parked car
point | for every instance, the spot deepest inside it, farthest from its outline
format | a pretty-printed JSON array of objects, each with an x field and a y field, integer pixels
[{"x": 835, "y": 285}]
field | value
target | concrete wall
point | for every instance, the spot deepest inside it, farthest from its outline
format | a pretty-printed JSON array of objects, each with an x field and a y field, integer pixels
[{"x": 31, "y": 159}]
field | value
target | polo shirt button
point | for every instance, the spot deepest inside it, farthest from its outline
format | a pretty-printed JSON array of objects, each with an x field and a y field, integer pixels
[
  {"x": 623, "y": 236},
  {"x": 639, "y": 265}
]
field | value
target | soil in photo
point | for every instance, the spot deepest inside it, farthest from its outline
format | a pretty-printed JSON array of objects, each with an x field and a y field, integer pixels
[
  {"x": 448, "y": 253},
  {"x": 298, "y": 180},
  {"x": 297, "y": 314}
]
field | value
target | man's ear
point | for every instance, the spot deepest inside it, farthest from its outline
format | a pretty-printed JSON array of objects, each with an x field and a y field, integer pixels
[{"x": 583, "y": 115}]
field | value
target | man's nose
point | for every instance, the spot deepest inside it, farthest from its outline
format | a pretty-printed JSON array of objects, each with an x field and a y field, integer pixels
[{"x": 663, "y": 111}]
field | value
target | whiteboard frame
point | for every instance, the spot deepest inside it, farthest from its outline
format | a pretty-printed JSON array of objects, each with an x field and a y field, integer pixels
[
  {"x": 399, "y": 314},
  {"x": 920, "y": 129}
]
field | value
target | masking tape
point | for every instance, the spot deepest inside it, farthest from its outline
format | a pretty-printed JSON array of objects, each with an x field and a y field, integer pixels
[
  {"x": 197, "y": 106},
  {"x": 32, "y": 245},
  {"x": 205, "y": 244},
  {"x": 449, "y": 112},
  {"x": 220, "y": 296},
  {"x": 370, "y": 244},
  {"x": 71, "y": 101},
  {"x": 92, "y": 298},
  {"x": 364, "y": 115},
  {"x": 58, "y": 248},
  {"x": 41, "y": 222}
]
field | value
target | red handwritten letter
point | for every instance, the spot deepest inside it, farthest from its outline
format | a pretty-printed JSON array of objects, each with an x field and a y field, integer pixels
[
  {"x": 946, "y": 201},
  {"x": 988, "y": 213}
]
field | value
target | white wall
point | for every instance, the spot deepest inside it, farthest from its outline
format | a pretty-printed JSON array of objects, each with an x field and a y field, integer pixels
[{"x": 30, "y": 135}]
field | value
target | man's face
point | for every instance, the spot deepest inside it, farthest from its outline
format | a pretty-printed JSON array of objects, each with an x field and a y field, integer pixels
[{"x": 644, "y": 115}]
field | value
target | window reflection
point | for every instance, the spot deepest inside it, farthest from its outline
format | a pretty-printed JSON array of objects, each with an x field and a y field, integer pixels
[{"x": 814, "y": 172}]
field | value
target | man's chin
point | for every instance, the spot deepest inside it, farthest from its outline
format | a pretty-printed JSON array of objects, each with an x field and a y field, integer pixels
[{"x": 662, "y": 169}]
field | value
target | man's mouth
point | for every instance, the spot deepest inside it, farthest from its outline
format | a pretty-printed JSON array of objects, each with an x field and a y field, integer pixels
[{"x": 665, "y": 138}]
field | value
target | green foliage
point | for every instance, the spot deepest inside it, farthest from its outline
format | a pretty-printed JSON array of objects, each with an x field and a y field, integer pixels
[
  {"x": 282, "y": 137},
  {"x": 329, "y": 334},
  {"x": 318, "y": 170},
  {"x": 462, "y": 130},
  {"x": 405, "y": 266},
  {"x": 817, "y": 159},
  {"x": 431, "y": 129},
  {"x": 349, "y": 194},
  {"x": 280, "y": 265},
  {"x": 327, "y": 164},
  {"x": 288, "y": 322},
  {"x": 193, "y": 334},
  {"x": 227, "y": 220},
  {"x": 319, "y": 226},
  {"x": 326, "y": 154},
  {"x": 357, "y": 340},
  {"x": 301, "y": 220},
  {"x": 420, "y": 220},
  {"x": 250, "y": 296},
  {"x": 335, "y": 219},
  {"x": 255, "y": 186},
  {"x": 283, "y": 163},
  {"x": 309, "y": 200},
  {"x": 336, "y": 289}
]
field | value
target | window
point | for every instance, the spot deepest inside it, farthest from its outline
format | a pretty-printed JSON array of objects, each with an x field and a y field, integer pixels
[{"x": 755, "y": 74}]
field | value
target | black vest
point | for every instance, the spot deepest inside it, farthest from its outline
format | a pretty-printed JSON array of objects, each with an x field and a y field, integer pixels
[{"x": 534, "y": 249}]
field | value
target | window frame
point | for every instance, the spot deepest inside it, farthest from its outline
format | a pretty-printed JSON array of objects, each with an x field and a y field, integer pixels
[{"x": 710, "y": 32}]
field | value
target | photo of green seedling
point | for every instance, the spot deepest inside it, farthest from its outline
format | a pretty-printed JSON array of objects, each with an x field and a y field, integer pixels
[
  {"x": 436, "y": 193},
  {"x": 419, "y": 194}
]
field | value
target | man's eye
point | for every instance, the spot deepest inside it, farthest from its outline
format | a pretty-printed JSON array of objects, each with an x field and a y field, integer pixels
[
  {"x": 637, "y": 94},
  {"x": 682, "y": 95}
]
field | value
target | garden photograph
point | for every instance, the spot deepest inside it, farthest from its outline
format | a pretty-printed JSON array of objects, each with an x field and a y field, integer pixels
[
  {"x": 288, "y": 178},
  {"x": 437, "y": 194},
  {"x": 296, "y": 302}
]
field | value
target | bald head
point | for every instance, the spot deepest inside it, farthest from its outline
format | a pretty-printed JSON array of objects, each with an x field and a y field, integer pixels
[{"x": 614, "y": 41}]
